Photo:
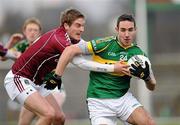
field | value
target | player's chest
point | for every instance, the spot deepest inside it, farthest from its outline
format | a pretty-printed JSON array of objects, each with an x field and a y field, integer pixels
[{"x": 116, "y": 54}]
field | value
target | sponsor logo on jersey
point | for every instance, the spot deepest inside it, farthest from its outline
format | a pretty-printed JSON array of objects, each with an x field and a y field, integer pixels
[{"x": 111, "y": 54}]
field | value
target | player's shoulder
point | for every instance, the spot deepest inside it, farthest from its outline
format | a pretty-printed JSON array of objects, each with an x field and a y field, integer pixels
[
  {"x": 104, "y": 40},
  {"x": 134, "y": 45},
  {"x": 22, "y": 43},
  {"x": 135, "y": 48},
  {"x": 47, "y": 36}
]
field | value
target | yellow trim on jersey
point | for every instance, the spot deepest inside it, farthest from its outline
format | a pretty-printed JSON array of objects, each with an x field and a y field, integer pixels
[
  {"x": 89, "y": 47},
  {"x": 106, "y": 61},
  {"x": 102, "y": 49},
  {"x": 101, "y": 60}
]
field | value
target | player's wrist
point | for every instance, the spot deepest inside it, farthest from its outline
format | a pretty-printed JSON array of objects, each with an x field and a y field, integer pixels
[
  {"x": 147, "y": 79},
  {"x": 57, "y": 77}
]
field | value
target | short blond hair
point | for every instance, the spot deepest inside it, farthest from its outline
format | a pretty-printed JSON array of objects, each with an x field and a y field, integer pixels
[
  {"x": 32, "y": 20},
  {"x": 69, "y": 16}
]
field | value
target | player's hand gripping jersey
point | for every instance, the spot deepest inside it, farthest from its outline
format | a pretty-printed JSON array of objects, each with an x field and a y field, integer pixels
[
  {"x": 109, "y": 51},
  {"x": 41, "y": 57}
]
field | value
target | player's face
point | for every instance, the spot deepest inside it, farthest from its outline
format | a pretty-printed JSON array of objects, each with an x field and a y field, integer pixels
[
  {"x": 126, "y": 33},
  {"x": 76, "y": 29},
  {"x": 32, "y": 32}
]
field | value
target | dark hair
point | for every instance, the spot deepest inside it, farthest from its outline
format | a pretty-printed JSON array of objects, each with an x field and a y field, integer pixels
[
  {"x": 126, "y": 17},
  {"x": 70, "y": 15}
]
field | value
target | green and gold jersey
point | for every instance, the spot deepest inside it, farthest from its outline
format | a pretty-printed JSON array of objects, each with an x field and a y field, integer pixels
[
  {"x": 109, "y": 51},
  {"x": 21, "y": 46}
]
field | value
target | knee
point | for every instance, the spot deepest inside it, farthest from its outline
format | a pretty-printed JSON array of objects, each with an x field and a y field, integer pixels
[
  {"x": 149, "y": 121},
  {"x": 60, "y": 117},
  {"x": 49, "y": 115},
  {"x": 23, "y": 122}
]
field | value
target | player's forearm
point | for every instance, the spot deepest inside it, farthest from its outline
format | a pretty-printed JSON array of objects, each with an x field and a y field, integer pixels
[
  {"x": 10, "y": 43},
  {"x": 13, "y": 40},
  {"x": 65, "y": 58},
  {"x": 85, "y": 64},
  {"x": 151, "y": 82}
]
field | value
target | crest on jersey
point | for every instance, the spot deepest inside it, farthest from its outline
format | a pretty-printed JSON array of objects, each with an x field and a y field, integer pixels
[{"x": 26, "y": 82}]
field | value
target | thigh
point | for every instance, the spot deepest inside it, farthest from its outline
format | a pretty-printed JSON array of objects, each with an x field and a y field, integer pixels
[
  {"x": 126, "y": 105},
  {"x": 100, "y": 112},
  {"x": 140, "y": 117},
  {"x": 37, "y": 104},
  {"x": 25, "y": 117},
  {"x": 52, "y": 101},
  {"x": 59, "y": 95}
]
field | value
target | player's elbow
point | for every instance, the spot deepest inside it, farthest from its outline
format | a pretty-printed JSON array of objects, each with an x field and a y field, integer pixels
[
  {"x": 152, "y": 88},
  {"x": 151, "y": 85},
  {"x": 73, "y": 50}
]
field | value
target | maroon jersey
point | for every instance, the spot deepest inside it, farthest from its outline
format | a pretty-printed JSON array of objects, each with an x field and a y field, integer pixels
[{"x": 42, "y": 57}]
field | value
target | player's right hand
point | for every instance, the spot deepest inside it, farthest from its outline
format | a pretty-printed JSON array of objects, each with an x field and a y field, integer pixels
[
  {"x": 121, "y": 68},
  {"x": 52, "y": 81}
]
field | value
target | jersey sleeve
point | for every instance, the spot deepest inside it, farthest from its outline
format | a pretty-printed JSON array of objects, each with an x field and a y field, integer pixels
[
  {"x": 89, "y": 65},
  {"x": 83, "y": 45},
  {"x": 98, "y": 45}
]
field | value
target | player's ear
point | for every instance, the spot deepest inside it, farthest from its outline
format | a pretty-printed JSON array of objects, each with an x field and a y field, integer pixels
[
  {"x": 117, "y": 29},
  {"x": 66, "y": 26}
]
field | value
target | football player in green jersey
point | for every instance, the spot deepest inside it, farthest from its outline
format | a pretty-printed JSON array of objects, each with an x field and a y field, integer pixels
[{"x": 108, "y": 97}]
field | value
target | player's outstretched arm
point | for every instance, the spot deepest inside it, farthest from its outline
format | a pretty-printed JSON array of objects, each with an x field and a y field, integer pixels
[
  {"x": 89, "y": 65},
  {"x": 66, "y": 57}
]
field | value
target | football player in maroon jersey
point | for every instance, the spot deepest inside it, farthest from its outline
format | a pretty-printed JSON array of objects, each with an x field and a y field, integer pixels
[{"x": 24, "y": 82}]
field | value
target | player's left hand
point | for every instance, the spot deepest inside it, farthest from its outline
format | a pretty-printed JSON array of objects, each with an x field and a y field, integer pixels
[
  {"x": 138, "y": 71},
  {"x": 52, "y": 80}
]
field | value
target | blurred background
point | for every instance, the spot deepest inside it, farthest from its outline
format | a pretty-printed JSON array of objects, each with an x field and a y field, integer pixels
[{"x": 159, "y": 25}]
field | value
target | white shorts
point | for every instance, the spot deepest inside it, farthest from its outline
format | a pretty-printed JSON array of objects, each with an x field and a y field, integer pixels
[
  {"x": 19, "y": 88},
  {"x": 106, "y": 111}
]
